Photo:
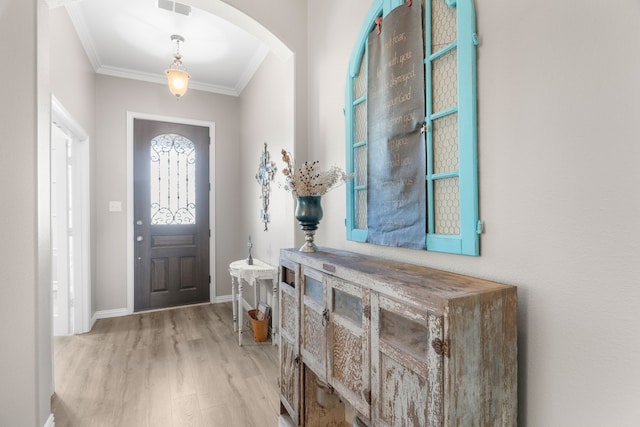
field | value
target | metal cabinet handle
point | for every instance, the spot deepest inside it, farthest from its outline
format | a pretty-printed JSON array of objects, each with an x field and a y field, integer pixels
[{"x": 441, "y": 347}]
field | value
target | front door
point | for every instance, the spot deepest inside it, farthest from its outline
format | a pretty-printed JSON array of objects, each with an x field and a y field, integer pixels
[{"x": 171, "y": 214}]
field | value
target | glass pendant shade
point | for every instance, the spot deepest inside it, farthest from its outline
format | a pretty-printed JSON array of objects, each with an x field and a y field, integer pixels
[
  {"x": 177, "y": 75},
  {"x": 178, "y": 81}
]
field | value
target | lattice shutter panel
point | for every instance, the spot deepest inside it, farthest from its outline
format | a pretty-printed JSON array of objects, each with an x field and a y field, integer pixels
[
  {"x": 442, "y": 112},
  {"x": 360, "y": 151}
]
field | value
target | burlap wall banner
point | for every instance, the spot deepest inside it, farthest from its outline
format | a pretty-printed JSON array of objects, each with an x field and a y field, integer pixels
[{"x": 396, "y": 199}]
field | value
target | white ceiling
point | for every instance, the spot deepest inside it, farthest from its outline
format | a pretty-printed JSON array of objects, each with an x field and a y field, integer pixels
[{"x": 132, "y": 39}]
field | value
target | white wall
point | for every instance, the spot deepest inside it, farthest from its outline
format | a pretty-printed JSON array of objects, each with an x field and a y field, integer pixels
[
  {"x": 558, "y": 153},
  {"x": 266, "y": 107},
  {"x": 72, "y": 77},
  {"x": 73, "y": 84},
  {"x": 25, "y": 322},
  {"x": 267, "y": 115},
  {"x": 114, "y": 98}
]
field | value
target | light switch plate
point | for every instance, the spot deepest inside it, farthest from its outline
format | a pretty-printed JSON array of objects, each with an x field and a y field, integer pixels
[{"x": 115, "y": 206}]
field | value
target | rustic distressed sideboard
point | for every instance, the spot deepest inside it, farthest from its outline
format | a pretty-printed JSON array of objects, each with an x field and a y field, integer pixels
[{"x": 393, "y": 344}]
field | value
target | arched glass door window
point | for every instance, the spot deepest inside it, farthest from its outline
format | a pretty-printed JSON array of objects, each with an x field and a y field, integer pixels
[
  {"x": 172, "y": 170},
  {"x": 451, "y": 182}
]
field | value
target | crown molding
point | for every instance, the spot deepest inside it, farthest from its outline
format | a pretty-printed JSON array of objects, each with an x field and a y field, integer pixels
[
  {"x": 84, "y": 35},
  {"x": 254, "y": 63},
  {"x": 57, "y": 3},
  {"x": 155, "y": 78}
]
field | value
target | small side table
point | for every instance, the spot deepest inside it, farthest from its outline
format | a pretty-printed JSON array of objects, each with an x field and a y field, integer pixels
[{"x": 259, "y": 270}]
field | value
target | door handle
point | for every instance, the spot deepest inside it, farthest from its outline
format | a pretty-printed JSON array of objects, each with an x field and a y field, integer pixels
[{"x": 325, "y": 317}]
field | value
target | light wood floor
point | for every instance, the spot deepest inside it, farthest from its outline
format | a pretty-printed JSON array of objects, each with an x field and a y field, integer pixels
[{"x": 170, "y": 368}]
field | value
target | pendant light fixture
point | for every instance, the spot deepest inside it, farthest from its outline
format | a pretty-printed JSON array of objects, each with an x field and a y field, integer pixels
[{"x": 177, "y": 75}]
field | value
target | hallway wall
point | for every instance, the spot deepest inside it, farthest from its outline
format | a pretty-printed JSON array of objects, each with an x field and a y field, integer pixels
[
  {"x": 72, "y": 76},
  {"x": 73, "y": 84},
  {"x": 25, "y": 313},
  {"x": 267, "y": 112},
  {"x": 267, "y": 115}
]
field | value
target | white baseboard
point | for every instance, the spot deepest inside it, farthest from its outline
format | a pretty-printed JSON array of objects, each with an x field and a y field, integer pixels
[
  {"x": 50, "y": 422},
  {"x": 223, "y": 298},
  {"x": 229, "y": 298},
  {"x": 105, "y": 314}
]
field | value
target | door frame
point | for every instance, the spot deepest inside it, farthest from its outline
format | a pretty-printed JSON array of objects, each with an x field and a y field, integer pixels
[
  {"x": 131, "y": 115},
  {"x": 82, "y": 214}
]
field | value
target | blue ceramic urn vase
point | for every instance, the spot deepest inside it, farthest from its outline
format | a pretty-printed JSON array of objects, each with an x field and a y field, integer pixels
[{"x": 309, "y": 214}]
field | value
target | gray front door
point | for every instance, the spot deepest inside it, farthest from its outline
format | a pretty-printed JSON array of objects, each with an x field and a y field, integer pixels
[{"x": 171, "y": 214}]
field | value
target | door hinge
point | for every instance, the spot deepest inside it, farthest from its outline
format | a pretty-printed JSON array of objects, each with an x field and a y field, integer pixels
[
  {"x": 325, "y": 317},
  {"x": 480, "y": 227},
  {"x": 366, "y": 310},
  {"x": 440, "y": 347},
  {"x": 209, "y": 278}
]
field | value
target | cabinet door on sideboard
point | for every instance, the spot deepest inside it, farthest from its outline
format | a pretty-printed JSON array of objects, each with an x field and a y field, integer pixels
[
  {"x": 406, "y": 370},
  {"x": 290, "y": 366},
  {"x": 313, "y": 321},
  {"x": 348, "y": 346}
]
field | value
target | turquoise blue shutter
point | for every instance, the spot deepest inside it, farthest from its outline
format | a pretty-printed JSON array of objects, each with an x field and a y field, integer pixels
[
  {"x": 451, "y": 180},
  {"x": 356, "y": 125}
]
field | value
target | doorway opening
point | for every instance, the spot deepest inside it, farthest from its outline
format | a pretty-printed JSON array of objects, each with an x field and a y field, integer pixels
[{"x": 70, "y": 224}]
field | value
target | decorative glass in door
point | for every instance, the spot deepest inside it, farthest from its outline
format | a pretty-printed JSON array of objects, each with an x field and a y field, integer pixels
[{"x": 173, "y": 171}]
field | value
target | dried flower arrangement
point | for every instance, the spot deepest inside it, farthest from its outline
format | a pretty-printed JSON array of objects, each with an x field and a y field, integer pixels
[{"x": 308, "y": 180}]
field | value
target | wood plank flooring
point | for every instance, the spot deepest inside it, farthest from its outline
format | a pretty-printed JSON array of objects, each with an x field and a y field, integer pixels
[{"x": 172, "y": 368}]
